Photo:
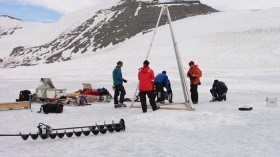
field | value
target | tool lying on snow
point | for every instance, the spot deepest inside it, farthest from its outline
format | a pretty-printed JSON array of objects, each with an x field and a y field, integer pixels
[
  {"x": 45, "y": 131},
  {"x": 245, "y": 108}
]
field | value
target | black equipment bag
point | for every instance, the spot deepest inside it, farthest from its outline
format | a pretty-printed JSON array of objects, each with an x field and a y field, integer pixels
[
  {"x": 51, "y": 108},
  {"x": 24, "y": 95},
  {"x": 103, "y": 91}
]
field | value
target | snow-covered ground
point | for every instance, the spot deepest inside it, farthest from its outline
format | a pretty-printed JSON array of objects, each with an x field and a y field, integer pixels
[{"x": 240, "y": 48}]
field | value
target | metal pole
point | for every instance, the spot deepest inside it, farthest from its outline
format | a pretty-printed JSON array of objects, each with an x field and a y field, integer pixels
[
  {"x": 30, "y": 101},
  {"x": 179, "y": 62},
  {"x": 10, "y": 134},
  {"x": 150, "y": 47},
  {"x": 149, "y": 50}
]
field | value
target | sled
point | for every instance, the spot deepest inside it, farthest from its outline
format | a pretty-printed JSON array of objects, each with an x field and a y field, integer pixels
[
  {"x": 167, "y": 106},
  {"x": 15, "y": 105},
  {"x": 93, "y": 96},
  {"x": 46, "y": 91}
]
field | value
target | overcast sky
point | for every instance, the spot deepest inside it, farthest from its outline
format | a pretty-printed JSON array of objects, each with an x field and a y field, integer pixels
[{"x": 52, "y": 10}]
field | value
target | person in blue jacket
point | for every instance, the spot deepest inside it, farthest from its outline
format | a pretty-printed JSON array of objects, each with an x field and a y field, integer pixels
[
  {"x": 219, "y": 91},
  {"x": 161, "y": 81},
  {"x": 118, "y": 85}
]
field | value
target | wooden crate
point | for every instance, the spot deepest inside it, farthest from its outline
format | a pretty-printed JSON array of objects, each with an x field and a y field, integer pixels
[{"x": 14, "y": 105}]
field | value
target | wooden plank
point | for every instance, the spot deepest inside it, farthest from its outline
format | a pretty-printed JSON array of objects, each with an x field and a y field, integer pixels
[
  {"x": 174, "y": 103},
  {"x": 14, "y": 105},
  {"x": 167, "y": 108},
  {"x": 172, "y": 108},
  {"x": 73, "y": 94},
  {"x": 164, "y": 104}
]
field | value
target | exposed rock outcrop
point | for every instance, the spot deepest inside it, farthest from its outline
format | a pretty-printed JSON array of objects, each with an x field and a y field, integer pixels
[{"x": 107, "y": 27}]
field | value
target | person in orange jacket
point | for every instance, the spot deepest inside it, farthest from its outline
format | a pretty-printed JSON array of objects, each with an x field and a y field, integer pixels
[
  {"x": 146, "y": 86},
  {"x": 194, "y": 74}
]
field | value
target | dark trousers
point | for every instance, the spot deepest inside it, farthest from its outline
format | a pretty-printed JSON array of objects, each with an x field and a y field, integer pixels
[
  {"x": 218, "y": 96},
  {"x": 160, "y": 91},
  {"x": 151, "y": 96},
  {"x": 170, "y": 95},
  {"x": 194, "y": 93},
  {"x": 119, "y": 90}
]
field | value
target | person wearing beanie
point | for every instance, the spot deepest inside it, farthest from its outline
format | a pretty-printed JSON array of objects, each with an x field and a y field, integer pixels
[
  {"x": 118, "y": 85},
  {"x": 146, "y": 62},
  {"x": 161, "y": 81},
  {"x": 194, "y": 73},
  {"x": 218, "y": 91},
  {"x": 191, "y": 63},
  {"x": 146, "y": 86}
]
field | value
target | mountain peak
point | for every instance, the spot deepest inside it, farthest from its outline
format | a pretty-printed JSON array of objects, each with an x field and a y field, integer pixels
[
  {"x": 107, "y": 26},
  {"x": 10, "y": 17}
]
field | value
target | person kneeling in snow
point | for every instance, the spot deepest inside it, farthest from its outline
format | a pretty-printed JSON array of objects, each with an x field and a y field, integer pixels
[
  {"x": 219, "y": 91},
  {"x": 161, "y": 81}
]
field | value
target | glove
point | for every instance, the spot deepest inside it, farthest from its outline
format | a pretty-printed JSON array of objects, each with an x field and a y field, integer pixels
[
  {"x": 124, "y": 80},
  {"x": 155, "y": 90},
  {"x": 169, "y": 91},
  {"x": 192, "y": 77}
]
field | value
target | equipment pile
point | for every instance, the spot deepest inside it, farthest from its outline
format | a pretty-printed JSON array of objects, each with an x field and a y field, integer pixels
[{"x": 47, "y": 93}]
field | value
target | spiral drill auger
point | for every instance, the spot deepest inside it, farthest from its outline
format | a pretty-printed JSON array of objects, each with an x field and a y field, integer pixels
[{"x": 45, "y": 131}]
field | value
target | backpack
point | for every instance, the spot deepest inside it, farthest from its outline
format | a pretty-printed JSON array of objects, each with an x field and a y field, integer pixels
[
  {"x": 24, "y": 95},
  {"x": 51, "y": 108},
  {"x": 82, "y": 101},
  {"x": 103, "y": 91}
]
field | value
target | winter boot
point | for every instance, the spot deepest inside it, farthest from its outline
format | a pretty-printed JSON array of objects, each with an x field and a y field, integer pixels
[
  {"x": 225, "y": 97},
  {"x": 158, "y": 107},
  {"x": 122, "y": 104},
  {"x": 117, "y": 106}
]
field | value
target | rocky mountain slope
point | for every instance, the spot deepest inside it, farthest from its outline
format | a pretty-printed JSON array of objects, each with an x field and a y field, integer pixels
[{"x": 107, "y": 27}]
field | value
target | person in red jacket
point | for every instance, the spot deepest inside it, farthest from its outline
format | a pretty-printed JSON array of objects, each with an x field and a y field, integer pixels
[
  {"x": 194, "y": 74},
  {"x": 146, "y": 86}
]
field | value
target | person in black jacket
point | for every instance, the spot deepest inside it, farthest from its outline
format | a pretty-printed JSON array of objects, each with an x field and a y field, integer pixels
[{"x": 219, "y": 91}]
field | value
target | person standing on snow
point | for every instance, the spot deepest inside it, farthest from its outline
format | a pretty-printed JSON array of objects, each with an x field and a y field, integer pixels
[
  {"x": 161, "y": 81},
  {"x": 146, "y": 86},
  {"x": 118, "y": 85},
  {"x": 194, "y": 74},
  {"x": 218, "y": 91}
]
